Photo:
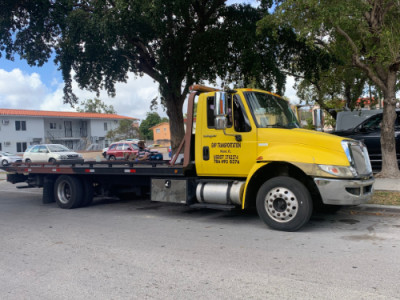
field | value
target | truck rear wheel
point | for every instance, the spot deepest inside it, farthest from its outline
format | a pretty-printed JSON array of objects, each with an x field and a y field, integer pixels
[
  {"x": 284, "y": 203},
  {"x": 68, "y": 192}
]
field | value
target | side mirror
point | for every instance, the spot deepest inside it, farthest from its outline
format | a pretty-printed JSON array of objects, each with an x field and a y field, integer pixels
[{"x": 220, "y": 110}]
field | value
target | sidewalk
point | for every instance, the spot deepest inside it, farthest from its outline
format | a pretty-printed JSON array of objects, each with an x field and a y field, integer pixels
[{"x": 387, "y": 184}]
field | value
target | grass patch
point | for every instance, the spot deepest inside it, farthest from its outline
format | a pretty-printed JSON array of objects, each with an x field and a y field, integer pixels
[{"x": 385, "y": 198}]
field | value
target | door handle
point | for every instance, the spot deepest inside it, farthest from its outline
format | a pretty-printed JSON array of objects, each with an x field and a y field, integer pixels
[{"x": 206, "y": 153}]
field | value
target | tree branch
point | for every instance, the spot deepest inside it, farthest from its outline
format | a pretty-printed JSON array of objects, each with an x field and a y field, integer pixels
[{"x": 357, "y": 61}]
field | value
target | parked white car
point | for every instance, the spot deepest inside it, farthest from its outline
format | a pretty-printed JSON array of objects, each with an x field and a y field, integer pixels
[
  {"x": 51, "y": 153},
  {"x": 7, "y": 158}
]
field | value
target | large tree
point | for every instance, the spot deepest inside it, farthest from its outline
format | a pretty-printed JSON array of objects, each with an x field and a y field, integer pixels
[
  {"x": 370, "y": 29},
  {"x": 152, "y": 119},
  {"x": 96, "y": 106},
  {"x": 176, "y": 43}
]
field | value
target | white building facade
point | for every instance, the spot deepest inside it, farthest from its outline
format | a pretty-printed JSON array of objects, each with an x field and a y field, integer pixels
[{"x": 20, "y": 129}]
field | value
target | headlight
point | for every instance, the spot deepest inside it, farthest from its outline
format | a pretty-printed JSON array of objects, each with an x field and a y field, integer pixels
[{"x": 339, "y": 171}]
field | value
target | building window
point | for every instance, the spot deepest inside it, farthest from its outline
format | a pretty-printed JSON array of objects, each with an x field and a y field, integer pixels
[
  {"x": 68, "y": 128},
  {"x": 20, "y": 125},
  {"x": 21, "y": 147},
  {"x": 158, "y": 130},
  {"x": 53, "y": 125},
  {"x": 105, "y": 127},
  {"x": 0, "y": 147},
  {"x": 83, "y": 128},
  {"x": 165, "y": 129}
]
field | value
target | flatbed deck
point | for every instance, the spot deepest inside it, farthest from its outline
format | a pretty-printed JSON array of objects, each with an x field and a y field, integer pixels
[{"x": 152, "y": 168}]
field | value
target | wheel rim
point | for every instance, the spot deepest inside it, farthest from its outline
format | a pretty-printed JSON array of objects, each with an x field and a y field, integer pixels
[
  {"x": 4, "y": 162},
  {"x": 64, "y": 192},
  {"x": 112, "y": 157},
  {"x": 281, "y": 204}
]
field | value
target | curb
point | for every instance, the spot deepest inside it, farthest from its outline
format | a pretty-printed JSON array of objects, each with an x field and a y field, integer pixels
[{"x": 372, "y": 209}]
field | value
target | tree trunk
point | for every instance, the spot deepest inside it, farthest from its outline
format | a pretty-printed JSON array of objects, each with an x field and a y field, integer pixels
[
  {"x": 175, "y": 115},
  {"x": 390, "y": 166}
]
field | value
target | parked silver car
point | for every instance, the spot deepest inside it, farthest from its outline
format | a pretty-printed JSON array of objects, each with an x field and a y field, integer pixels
[
  {"x": 51, "y": 153},
  {"x": 7, "y": 158}
]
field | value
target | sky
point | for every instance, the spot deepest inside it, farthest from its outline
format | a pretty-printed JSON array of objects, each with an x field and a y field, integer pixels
[{"x": 41, "y": 88}]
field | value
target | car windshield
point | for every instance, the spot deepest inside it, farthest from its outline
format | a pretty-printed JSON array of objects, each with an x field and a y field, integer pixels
[
  {"x": 58, "y": 148},
  {"x": 271, "y": 111}
]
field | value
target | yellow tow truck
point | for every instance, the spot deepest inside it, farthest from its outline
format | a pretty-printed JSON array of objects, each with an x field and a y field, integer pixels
[{"x": 242, "y": 148}]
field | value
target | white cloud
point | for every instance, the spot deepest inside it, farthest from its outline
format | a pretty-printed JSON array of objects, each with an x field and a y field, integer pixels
[
  {"x": 27, "y": 91},
  {"x": 132, "y": 98},
  {"x": 290, "y": 91},
  {"x": 21, "y": 90}
]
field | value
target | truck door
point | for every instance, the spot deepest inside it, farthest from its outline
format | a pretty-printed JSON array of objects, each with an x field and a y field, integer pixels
[{"x": 232, "y": 153}]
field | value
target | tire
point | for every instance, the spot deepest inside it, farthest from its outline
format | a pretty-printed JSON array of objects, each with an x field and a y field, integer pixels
[
  {"x": 284, "y": 203},
  {"x": 52, "y": 160},
  {"x": 4, "y": 162},
  {"x": 28, "y": 161},
  {"x": 68, "y": 192},
  {"x": 88, "y": 192},
  {"x": 112, "y": 157}
]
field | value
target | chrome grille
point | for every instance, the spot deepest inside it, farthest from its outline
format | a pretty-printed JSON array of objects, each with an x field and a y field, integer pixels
[{"x": 360, "y": 157}]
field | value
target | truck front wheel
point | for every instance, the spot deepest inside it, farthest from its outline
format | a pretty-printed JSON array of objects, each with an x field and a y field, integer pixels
[
  {"x": 68, "y": 191},
  {"x": 284, "y": 203}
]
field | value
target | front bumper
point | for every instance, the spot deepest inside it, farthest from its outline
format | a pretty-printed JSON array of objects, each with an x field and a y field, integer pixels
[{"x": 345, "y": 191}]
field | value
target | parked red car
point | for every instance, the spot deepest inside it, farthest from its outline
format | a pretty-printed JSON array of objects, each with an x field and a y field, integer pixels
[{"x": 120, "y": 150}]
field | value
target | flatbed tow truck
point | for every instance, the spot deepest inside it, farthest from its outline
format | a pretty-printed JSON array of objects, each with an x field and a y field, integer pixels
[{"x": 242, "y": 148}]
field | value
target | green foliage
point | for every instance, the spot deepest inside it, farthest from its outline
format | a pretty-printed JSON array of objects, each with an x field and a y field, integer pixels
[
  {"x": 96, "y": 106},
  {"x": 362, "y": 34},
  {"x": 176, "y": 43},
  {"x": 125, "y": 130},
  {"x": 310, "y": 124},
  {"x": 152, "y": 119}
]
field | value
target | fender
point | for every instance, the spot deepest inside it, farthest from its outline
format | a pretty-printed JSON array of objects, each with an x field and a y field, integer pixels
[
  {"x": 253, "y": 170},
  {"x": 302, "y": 156}
]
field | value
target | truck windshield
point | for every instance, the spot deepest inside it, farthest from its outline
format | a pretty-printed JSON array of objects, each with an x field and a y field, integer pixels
[{"x": 270, "y": 111}]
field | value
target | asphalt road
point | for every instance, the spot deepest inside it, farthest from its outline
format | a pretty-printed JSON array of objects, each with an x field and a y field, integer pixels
[{"x": 143, "y": 250}]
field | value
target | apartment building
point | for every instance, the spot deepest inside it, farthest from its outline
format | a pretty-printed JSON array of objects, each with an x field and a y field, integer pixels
[{"x": 20, "y": 128}]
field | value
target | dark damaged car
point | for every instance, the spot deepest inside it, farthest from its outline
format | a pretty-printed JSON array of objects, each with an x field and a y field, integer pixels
[{"x": 369, "y": 131}]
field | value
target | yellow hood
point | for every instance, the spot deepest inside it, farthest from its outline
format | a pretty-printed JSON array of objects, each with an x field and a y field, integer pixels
[{"x": 300, "y": 145}]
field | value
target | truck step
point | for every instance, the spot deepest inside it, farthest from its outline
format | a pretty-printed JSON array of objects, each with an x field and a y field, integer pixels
[
  {"x": 24, "y": 186},
  {"x": 213, "y": 206}
]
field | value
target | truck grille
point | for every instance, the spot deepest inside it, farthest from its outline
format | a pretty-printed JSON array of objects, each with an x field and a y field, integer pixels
[{"x": 361, "y": 161}]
